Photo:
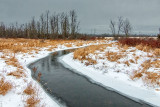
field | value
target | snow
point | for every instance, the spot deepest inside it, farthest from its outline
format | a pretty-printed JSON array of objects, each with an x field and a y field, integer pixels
[
  {"x": 116, "y": 81},
  {"x": 15, "y": 97},
  {"x": 103, "y": 74}
]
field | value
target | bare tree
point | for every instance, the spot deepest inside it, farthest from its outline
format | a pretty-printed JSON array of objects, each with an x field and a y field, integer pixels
[
  {"x": 2, "y": 30},
  {"x": 59, "y": 25},
  {"x": 120, "y": 25},
  {"x": 54, "y": 25},
  {"x": 113, "y": 29},
  {"x": 47, "y": 22},
  {"x": 123, "y": 26},
  {"x": 65, "y": 28},
  {"x": 127, "y": 27},
  {"x": 43, "y": 24},
  {"x": 27, "y": 30},
  {"x": 38, "y": 27},
  {"x": 74, "y": 26},
  {"x": 33, "y": 28}
]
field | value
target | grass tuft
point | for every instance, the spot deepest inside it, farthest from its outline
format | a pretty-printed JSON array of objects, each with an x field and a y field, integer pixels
[
  {"x": 32, "y": 101},
  {"x": 5, "y": 86},
  {"x": 30, "y": 89}
]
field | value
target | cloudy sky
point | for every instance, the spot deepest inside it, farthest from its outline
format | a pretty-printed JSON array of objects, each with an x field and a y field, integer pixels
[{"x": 94, "y": 15}]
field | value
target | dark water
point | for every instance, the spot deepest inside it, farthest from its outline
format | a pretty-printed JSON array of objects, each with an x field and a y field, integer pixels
[{"x": 75, "y": 90}]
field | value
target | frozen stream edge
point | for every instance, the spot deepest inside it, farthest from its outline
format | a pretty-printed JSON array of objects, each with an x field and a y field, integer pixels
[
  {"x": 51, "y": 100},
  {"x": 135, "y": 93}
]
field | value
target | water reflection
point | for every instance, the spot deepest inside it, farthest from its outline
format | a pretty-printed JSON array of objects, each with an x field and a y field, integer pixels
[{"x": 75, "y": 90}]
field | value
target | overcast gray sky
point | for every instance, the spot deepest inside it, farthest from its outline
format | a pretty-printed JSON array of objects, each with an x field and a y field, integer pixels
[{"x": 144, "y": 15}]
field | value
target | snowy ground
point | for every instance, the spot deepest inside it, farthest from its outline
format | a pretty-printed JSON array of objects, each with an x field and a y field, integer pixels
[
  {"x": 116, "y": 75},
  {"x": 15, "y": 97}
]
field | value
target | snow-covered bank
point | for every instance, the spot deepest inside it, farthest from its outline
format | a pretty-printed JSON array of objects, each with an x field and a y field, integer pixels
[
  {"x": 112, "y": 80},
  {"x": 16, "y": 55},
  {"x": 16, "y": 97}
]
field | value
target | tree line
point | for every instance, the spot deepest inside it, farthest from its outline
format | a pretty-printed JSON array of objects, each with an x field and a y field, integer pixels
[
  {"x": 59, "y": 26},
  {"x": 120, "y": 27},
  {"x": 56, "y": 26}
]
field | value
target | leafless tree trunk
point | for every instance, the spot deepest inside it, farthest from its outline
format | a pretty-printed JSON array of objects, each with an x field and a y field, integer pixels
[
  {"x": 74, "y": 26},
  {"x": 65, "y": 25},
  {"x": 47, "y": 22},
  {"x": 47, "y": 27},
  {"x": 33, "y": 28},
  {"x": 127, "y": 27},
  {"x": 2, "y": 30},
  {"x": 54, "y": 25},
  {"x": 38, "y": 29},
  {"x": 57, "y": 26},
  {"x": 42, "y": 25},
  {"x": 113, "y": 29},
  {"x": 120, "y": 25}
]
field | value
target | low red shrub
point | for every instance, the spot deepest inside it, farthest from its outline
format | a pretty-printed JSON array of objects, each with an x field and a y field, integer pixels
[{"x": 137, "y": 41}]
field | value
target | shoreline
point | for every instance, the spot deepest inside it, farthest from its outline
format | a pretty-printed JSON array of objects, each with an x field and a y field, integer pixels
[{"x": 135, "y": 93}]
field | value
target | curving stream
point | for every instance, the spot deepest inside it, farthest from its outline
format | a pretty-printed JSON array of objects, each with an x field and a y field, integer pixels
[{"x": 74, "y": 90}]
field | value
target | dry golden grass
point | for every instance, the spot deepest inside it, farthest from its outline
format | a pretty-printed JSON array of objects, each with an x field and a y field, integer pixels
[
  {"x": 18, "y": 74},
  {"x": 12, "y": 60},
  {"x": 156, "y": 52},
  {"x": 137, "y": 58},
  {"x": 68, "y": 45},
  {"x": 82, "y": 53},
  {"x": 28, "y": 45},
  {"x": 3, "y": 56},
  {"x": 11, "y": 47},
  {"x": 152, "y": 78},
  {"x": 32, "y": 101},
  {"x": 155, "y": 63},
  {"x": 137, "y": 74},
  {"x": 113, "y": 56},
  {"x": 132, "y": 61},
  {"x": 79, "y": 44},
  {"x": 147, "y": 77},
  {"x": 146, "y": 65},
  {"x": 127, "y": 63},
  {"x": 30, "y": 89},
  {"x": 5, "y": 86},
  {"x": 14, "y": 46},
  {"x": 33, "y": 98}
]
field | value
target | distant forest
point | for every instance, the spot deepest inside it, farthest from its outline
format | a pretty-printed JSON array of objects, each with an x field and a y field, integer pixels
[
  {"x": 55, "y": 26},
  {"x": 62, "y": 26}
]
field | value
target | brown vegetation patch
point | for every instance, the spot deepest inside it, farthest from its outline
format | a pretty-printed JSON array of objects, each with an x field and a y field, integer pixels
[
  {"x": 68, "y": 45},
  {"x": 113, "y": 56},
  {"x": 18, "y": 74},
  {"x": 143, "y": 44},
  {"x": 5, "y": 86},
  {"x": 30, "y": 89},
  {"x": 32, "y": 101},
  {"x": 132, "y": 61},
  {"x": 156, "y": 52},
  {"x": 137, "y": 74},
  {"x": 156, "y": 63},
  {"x": 152, "y": 78},
  {"x": 83, "y": 53},
  {"x": 127, "y": 63}
]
